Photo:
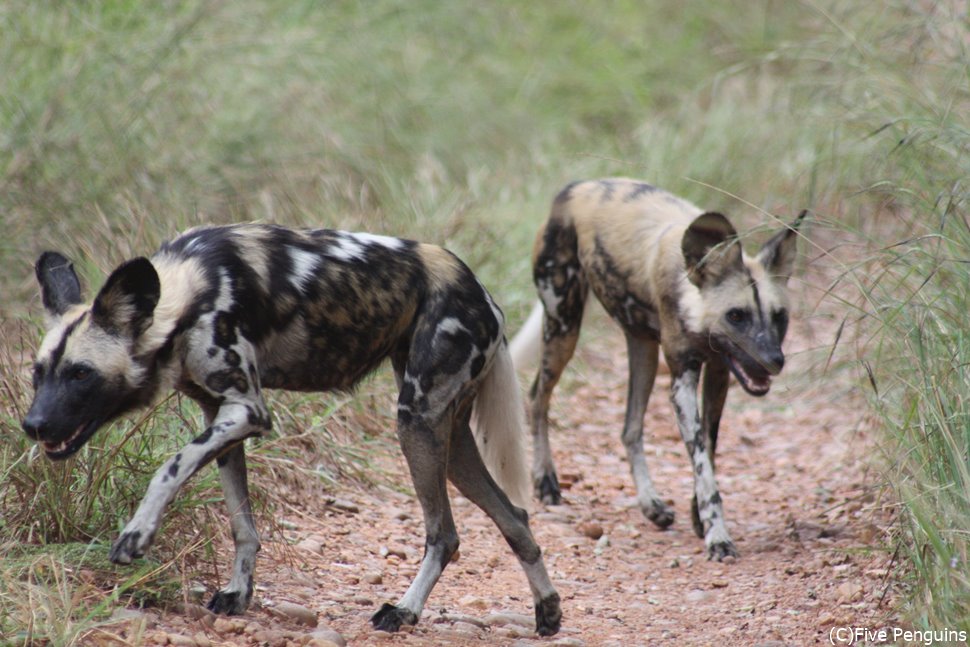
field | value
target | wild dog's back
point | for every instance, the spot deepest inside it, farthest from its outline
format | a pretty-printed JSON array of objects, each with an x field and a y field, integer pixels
[
  {"x": 323, "y": 307},
  {"x": 618, "y": 229}
]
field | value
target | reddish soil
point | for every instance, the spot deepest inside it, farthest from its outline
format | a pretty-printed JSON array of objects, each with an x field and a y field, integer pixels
[{"x": 792, "y": 470}]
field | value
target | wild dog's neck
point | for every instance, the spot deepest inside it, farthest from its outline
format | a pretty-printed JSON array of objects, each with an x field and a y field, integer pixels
[{"x": 182, "y": 280}]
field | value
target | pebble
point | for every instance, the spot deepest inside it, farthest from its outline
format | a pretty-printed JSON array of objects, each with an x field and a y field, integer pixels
[
  {"x": 697, "y": 595},
  {"x": 296, "y": 612},
  {"x": 591, "y": 529},
  {"x": 569, "y": 642},
  {"x": 326, "y": 637},
  {"x": 473, "y": 602},
  {"x": 228, "y": 625},
  {"x": 461, "y": 617},
  {"x": 373, "y": 578},
  {"x": 311, "y": 546},
  {"x": 181, "y": 641},
  {"x": 345, "y": 506},
  {"x": 506, "y": 618}
]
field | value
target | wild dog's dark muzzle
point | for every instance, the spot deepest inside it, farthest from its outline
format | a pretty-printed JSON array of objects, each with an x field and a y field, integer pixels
[
  {"x": 60, "y": 436},
  {"x": 754, "y": 364}
]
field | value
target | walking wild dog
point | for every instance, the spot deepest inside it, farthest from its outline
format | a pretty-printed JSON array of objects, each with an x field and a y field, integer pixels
[
  {"x": 671, "y": 277},
  {"x": 221, "y": 313}
]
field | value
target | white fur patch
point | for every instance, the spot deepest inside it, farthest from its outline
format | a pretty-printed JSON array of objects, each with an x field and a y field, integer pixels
[
  {"x": 349, "y": 247},
  {"x": 304, "y": 265}
]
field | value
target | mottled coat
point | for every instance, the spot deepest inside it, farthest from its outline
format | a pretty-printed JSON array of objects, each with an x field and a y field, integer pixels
[
  {"x": 673, "y": 277},
  {"x": 221, "y": 313}
]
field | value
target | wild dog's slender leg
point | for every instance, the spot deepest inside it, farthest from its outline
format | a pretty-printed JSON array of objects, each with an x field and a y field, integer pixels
[
  {"x": 235, "y": 597},
  {"x": 427, "y": 406},
  {"x": 425, "y": 448},
  {"x": 685, "y": 376},
  {"x": 642, "y": 354},
  {"x": 229, "y": 378},
  {"x": 557, "y": 350},
  {"x": 230, "y": 426},
  {"x": 469, "y": 474},
  {"x": 714, "y": 390}
]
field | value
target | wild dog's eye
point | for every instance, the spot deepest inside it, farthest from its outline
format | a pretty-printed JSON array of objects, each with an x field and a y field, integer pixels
[
  {"x": 737, "y": 316},
  {"x": 79, "y": 373}
]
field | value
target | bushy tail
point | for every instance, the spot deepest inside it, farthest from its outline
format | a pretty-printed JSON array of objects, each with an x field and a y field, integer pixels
[
  {"x": 500, "y": 429},
  {"x": 525, "y": 345}
]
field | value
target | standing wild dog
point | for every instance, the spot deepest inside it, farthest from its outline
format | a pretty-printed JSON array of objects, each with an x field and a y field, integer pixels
[
  {"x": 671, "y": 277},
  {"x": 221, "y": 313}
]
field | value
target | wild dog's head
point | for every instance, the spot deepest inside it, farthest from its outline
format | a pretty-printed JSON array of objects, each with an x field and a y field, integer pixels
[
  {"x": 85, "y": 373},
  {"x": 744, "y": 300}
]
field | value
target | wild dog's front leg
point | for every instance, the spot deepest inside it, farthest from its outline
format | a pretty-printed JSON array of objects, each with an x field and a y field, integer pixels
[
  {"x": 683, "y": 395},
  {"x": 642, "y": 355},
  {"x": 230, "y": 426},
  {"x": 714, "y": 388},
  {"x": 235, "y": 597}
]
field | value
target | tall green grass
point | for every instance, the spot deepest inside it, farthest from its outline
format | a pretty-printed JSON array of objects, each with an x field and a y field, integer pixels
[{"x": 122, "y": 122}]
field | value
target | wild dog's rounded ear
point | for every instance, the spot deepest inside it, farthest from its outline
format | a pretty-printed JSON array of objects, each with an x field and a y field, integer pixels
[
  {"x": 777, "y": 255},
  {"x": 126, "y": 302},
  {"x": 711, "y": 249},
  {"x": 59, "y": 286}
]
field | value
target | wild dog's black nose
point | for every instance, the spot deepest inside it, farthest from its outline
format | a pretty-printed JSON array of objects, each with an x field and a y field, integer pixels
[
  {"x": 776, "y": 361},
  {"x": 33, "y": 425}
]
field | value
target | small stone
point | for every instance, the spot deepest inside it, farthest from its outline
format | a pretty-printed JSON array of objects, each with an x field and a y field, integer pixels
[
  {"x": 224, "y": 625},
  {"x": 180, "y": 641},
  {"x": 591, "y": 529},
  {"x": 849, "y": 592},
  {"x": 719, "y": 584},
  {"x": 345, "y": 506},
  {"x": 569, "y": 642},
  {"x": 602, "y": 544},
  {"x": 466, "y": 627},
  {"x": 697, "y": 595},
  {"x": 310, "y": 545},
  {"x": 401, "y": 515},
  {"x": 674, "y": 563},
  {"x": 327, "y": 636},
  {"x": 461, "y": 617},
  {"x": 473, "y": 602},
  {"x": 373, "y": 578},
  {"x": 270, "y": 638},
  {"x": 201, "y": 639},
  {"x": 505, "y": 618},
  {"x": 494, "y": 561},
  {"x": 296, "y": 612}
]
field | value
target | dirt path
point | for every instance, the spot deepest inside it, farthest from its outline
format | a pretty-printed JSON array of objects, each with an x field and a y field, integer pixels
[{"x": 790, "y": 470}]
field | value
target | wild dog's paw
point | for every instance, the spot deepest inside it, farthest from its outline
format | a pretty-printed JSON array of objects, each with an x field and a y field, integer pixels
[
  {"x": 548, "y": 615},
  {"x": 695, "y": 518},
  {"x": 130, "y": 545},
  {"x": 547, "y": 489},
  {"x": 392, "y": 618},
  {"x": 229, "y": 603},
  {"x": 659, "y": 513},
  {"x": 718, "y": 550}
]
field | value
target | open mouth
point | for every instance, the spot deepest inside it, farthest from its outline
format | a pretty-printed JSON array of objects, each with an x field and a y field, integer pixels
[
  {"x": 64, "y": 448},
  {"x": 754, "y": 382}
]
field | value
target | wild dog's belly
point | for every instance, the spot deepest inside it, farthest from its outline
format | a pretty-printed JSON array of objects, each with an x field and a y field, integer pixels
[{"x": 325, "y": 357}]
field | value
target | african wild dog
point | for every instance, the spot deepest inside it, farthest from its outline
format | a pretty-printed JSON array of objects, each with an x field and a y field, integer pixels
[
  {"x": 671, "y": 277},
  {"x": 221, "y": 313}
]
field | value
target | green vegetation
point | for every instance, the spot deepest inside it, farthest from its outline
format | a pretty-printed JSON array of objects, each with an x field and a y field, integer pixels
[{"x": 122, "y": 122}]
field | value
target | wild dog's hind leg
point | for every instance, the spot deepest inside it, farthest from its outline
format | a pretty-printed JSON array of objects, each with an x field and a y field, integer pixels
[
  {"x": 714, "y": 389},
  {"x": 642, "y": 354},
  {"x": 563, "y": 290},
  {"x": 685, "y": 375},
  {"x": 469, "y": 474},
  {"x": 431, "y": 392}
]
